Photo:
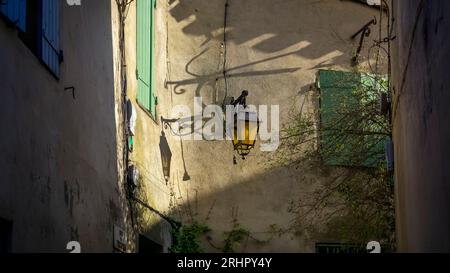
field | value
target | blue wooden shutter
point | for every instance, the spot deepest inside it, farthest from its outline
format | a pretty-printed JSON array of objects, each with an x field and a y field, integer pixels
[
  {"x": 15, "y": 11},
  {"x": 49, "y": 44}
]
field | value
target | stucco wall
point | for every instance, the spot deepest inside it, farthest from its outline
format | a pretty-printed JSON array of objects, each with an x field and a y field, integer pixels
[
  {"x": 421, "y": 131},
  {"x": 273, "y": 49},
  {"x": 58, "y": 165},
  {"x": 61, "y": 168},
  {"x": 146, "y": 153}
]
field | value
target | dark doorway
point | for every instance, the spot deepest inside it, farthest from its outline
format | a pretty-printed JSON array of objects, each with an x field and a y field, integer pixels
[
  {"x": 149, "y": 246},
  {"x": 5, "y": 236}
]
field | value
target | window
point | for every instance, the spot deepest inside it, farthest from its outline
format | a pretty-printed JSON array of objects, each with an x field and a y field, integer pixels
[
  {"x": 5, "y": 236},
  {"x": 144, "y": 48},
  {"x": 30, "y": 34},
  {"x": 338, "y": 248},
  {"x": 38, "y": 22},
  {"x": 352, "y": 131}
]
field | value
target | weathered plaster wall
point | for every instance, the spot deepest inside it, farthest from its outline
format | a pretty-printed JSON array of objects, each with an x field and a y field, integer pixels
[
  {"x": 61, "y": 172},
  {"x": 58, "y": 166},
  {"x": 273, "y": 49},
  {"x": 146, "y": 153},
  {"x": 421, "y": 125}
]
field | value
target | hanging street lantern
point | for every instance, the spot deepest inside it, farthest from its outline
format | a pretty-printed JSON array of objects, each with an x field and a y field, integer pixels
[{"x": 246, "y": 127}]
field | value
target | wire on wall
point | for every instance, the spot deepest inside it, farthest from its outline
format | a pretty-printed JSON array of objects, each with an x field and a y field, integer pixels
[
  {"x": 225, "y": 50},
  {"x": 123, "y": 9},
  {"x": 410, "y": 50}
]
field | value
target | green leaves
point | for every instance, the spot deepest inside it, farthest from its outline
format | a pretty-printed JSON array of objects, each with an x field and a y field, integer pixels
[
  {"x": 186, "y": 238},
  {"x": 234, "y": 237},
  {"x": 341, "y": 142}
]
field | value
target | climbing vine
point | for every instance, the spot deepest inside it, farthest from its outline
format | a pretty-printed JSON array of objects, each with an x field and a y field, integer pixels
[
  {"x": 186, "y": 238},
  {"x": 234, "y": 237}
]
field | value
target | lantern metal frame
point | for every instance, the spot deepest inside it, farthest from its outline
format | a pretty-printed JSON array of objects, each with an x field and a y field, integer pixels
[{"x": 240, "y": 148}]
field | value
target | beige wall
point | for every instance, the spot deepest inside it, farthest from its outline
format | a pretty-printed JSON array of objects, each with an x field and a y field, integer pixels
[
  {"x": 61, "y": 172},
  {"x": 274, "y": 49},
  {"x": 146, "y": 155}
]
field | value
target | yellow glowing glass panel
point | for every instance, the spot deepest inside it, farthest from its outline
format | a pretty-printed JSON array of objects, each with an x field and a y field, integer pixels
[{"x": 246, "y": 136}]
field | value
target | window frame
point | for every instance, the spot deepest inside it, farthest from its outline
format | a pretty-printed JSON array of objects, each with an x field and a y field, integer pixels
[{"x": 34, "y": 38}]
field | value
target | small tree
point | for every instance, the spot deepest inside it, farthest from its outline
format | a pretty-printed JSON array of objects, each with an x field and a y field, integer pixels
[{"x": 342, "y": 141}]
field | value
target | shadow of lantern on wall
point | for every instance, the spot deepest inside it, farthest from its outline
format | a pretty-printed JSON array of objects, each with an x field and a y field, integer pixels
[
  {"x": 166, "y": 156},
  {"x": 244, "y": 132}
]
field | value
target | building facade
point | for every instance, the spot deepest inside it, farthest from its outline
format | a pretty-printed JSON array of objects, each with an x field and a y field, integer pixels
[
  {"x": 214, "y": 50},
  {"x": 421, "y": 118},
  {"x": 67, "y": 145},
  {"x": 60, "y": 178}
]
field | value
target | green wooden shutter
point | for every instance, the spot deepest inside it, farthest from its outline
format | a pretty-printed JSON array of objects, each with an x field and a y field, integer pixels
[
  {"x": 336, "y": 96},
  {"x": 145, "y": 43}
]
